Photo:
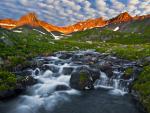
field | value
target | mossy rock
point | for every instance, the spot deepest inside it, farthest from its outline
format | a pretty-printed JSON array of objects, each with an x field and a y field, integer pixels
[
  {"x": 84, "y": 79},
  {"x": 81, "y": 80}
]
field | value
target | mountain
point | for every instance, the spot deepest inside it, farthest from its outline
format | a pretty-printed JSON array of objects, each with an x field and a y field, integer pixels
[
  {"x": 8, "y": 23},
  {"x": 123, "y": 17},
  {"x": 31, "y": 19},
  {"x": 141, "y": 17}
]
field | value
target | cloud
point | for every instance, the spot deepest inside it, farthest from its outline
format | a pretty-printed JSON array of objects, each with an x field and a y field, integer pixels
[{"x": 64, "y": 12}]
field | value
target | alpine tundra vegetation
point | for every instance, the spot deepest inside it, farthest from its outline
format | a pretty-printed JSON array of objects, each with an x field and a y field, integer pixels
[{"x": 100, "y": 64}]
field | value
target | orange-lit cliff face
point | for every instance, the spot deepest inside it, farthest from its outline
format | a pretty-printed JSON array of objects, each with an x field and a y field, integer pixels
[
  {"x": 32, "y": 20},
  {"x": 80, "y": 26},
  {"x": 123, "y": 17},
  {"x": 28, "y": 19},
  {"x": 88, "y": 24},
  {"x": 141, "y": 17},
  {"x": 8, "y": 23}
]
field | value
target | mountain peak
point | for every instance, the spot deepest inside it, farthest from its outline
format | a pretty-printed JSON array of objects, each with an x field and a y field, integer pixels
[
  {"x": 123, "y": 17},
  {"x": 30, "y": 19}
]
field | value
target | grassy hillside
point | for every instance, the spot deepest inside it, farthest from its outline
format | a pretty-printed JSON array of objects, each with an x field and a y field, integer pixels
[
  {"x": 17, "y": 48},
  {"x": 106, "y": 35}
]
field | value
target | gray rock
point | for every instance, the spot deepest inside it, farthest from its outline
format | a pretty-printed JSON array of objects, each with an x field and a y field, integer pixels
[
  {"x": 6, "y": 41},
  {"x": 107, "y": 68},
  {"x": 23, "y": 73},
  {"x": 145, "y": 61},
  {"x": 61, "y": 87},
  {"x": 27, "y": 81},
  {"x": 83, "y": 79},
  {"x": 64, "y": 55},
  {"x": 67, "y": 70},
  {"x": 53, "y": 68}
]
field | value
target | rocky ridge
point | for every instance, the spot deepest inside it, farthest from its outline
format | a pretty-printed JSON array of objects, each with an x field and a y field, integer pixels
[{"x": 32, "y": 20}]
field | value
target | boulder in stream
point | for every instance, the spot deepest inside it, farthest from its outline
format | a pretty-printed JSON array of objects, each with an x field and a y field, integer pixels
[{"x": 83, "y": 79}]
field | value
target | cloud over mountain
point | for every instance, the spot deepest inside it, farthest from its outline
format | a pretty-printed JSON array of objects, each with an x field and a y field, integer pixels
[{"x": 64, "y": 12}]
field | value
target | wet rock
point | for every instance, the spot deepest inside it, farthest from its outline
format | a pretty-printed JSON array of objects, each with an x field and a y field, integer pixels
[
  {"x": 64, "y": 55},
  {"x": 24, "y": 72},
  {"x": 87, "y": 59},
  {"x": 37, "y": 71},
  {"x": 59, "y": 62},
  {"x": 36, "y": 63},
  {"x": 26, "y": 81},
  {"x": 81, "y": 68},
  {"x": 144, "y": 62},
  {"x": 9, "y": 93},
  {"x": 53, "y": 68},
  {"x": 107, "y": 68},
  {"x": 61, "y": 87},
  {"x": 95, "y": 74},
  {"x": 67, "y": 70},
  {"x": 80, "y": 80},
  {"x": 77, "y": 57},
  {"x": 55, "y": 75},
  {"x": 83, "y": 79}
]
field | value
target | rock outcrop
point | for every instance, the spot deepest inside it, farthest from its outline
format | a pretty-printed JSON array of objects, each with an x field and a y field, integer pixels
[{"x": 123, "y": 17}]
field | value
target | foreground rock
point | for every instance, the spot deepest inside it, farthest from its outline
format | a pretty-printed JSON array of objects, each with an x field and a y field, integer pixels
[{"x": 84, "y": 79}]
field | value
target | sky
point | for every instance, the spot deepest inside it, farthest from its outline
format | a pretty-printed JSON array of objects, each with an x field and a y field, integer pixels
[{"x": 66, "y": 12}]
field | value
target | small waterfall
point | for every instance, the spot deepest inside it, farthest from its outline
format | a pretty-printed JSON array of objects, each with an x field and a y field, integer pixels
[
  {"x": 115, "y": 83},
  {"x": 53, "y": 78}
]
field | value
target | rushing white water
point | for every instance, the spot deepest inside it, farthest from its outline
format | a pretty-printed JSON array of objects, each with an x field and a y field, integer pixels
[
  {"x": 53, "y": 87},
  {"x": 44, "y": 94},
  {"x": 115, "y": 84}
]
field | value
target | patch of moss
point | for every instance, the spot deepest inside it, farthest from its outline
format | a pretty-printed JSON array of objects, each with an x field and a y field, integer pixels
[
  {"x": 83, "y": 77},
  {"x": 83, "y": 80},
  {"x": 7, "y": 80},
  {"x": 128, "y": 72}
]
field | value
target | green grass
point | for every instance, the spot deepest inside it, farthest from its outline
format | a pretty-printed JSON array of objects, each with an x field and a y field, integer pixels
[
  {"x": 142, "y": 85},
  {"x": 29, "y": 44},
  {"x": 110, "y": 36},
  {"x": 7, "y": 80}
]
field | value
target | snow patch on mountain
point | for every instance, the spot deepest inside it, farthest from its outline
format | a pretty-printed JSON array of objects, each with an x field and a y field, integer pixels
[
  {"x": 116, "y": 29},
  {"x": 3, "y": 24},
  {"x": 39, "y": 31},
  {"x": 17, "y": 31}
]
